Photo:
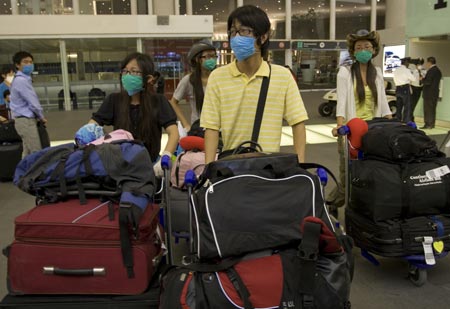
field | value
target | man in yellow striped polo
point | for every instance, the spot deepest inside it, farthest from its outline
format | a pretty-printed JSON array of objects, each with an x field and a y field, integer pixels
[{"x": 232, "y": 93}]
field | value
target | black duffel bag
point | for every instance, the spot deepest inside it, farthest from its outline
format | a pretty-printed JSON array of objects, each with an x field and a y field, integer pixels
[
  {"x": 253, "y": 201},
  {"x": 382, "y": 190},
  {"x": 400, "y": 143}
]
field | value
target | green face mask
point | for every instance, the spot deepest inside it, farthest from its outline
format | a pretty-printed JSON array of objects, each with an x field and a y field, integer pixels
[
  {"x": 132, "y": 83},
  {"x": 363, "y": 56},
  {"x": 209, "y": 64}
]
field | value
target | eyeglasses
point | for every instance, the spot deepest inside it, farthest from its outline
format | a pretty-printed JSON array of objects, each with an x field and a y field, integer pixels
[
  {"x": 241, "y": 32},
  {"x": 132, "y": 72},
  {"x": 209, "y": 57},
  {"x": 367, "y": 47}
]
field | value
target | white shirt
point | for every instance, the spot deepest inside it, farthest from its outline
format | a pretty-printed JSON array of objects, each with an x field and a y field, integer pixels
[
  {"x": 346, "y": 102},
  {"x": 403, "y": 76}
]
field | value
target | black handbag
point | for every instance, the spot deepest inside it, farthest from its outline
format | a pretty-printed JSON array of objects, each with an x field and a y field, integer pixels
[
  {"x": 8, "y": 133},
  {"x": 43, "y": 134}
]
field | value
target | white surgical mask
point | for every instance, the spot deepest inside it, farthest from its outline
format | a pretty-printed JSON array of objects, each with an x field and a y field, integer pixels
[{"x": 9, "y": 79}]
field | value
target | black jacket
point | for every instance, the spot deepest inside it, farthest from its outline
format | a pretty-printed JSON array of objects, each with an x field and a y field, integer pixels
[{"x": 431, "y": 83}]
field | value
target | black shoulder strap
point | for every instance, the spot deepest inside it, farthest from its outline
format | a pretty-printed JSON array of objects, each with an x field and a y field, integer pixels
[{"x": 260, "y": 107}]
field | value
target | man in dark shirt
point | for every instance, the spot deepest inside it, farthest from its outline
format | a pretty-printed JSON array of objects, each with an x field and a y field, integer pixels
[{"x": 430, "y": 92}]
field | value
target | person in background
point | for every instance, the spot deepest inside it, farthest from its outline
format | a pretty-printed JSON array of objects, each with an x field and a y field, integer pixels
[
  {"x": 416, "y": 86},
  {"x": 403, "y": 79},
  {"x": 137, "y": 109},
  {"x": 203, "y": 59},
  {"x": 4, "y": 108},
  {"x": 160, "y": 83},
  {"x": 430, "y": 92},
  {"x": 233, "y": 90},
  {"x": 360, "y": 93},
  {"x": 25, "y": 106},
  {"x": 6, "y": 78}
]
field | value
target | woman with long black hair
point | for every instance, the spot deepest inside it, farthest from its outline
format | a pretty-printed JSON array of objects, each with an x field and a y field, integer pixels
[
  {"x": 139, "y": 110},
  {"x": 360, "y": 93}
]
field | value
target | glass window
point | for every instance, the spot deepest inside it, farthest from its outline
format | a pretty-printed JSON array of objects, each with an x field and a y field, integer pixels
[
  {"x": 276, "y": 10},
  {"x": 142, "y": 7},
  {"x": 170, "y": 56},
  {"x": 219, "y": 9},
  {"x": 105, "y": 7},
  {"x": 45, "y": 7},
  {"x": 351, "y": 16},
  {"x": 310, "y": 19},
  {"x": 381, "y": 14},
  {"x": 5, "y": 7}
]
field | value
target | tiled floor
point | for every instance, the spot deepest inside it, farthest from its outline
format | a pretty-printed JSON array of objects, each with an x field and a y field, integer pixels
[{"x": 384, "y": 286}]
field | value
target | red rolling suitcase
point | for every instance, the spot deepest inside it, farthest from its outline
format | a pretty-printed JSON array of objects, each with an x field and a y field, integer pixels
[{"x": 68, "y": 248}]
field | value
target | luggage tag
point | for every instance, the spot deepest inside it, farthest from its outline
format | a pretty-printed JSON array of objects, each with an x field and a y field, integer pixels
[
  {"x": 437, "y": 173},
  {"x": 438, "y": 246},
  {"x": 428, "y": 250}
]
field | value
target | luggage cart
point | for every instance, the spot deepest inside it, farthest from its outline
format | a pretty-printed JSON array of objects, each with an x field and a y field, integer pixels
[{"x": 418, "y": 264}]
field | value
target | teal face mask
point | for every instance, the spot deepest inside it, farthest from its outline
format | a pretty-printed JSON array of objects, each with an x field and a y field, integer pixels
[
  {"x": 28, "y": 69},
  {"x": 363, "y": 56},
  {"x": 209, "y": 64},
  {"x": 132, "y": 83}
]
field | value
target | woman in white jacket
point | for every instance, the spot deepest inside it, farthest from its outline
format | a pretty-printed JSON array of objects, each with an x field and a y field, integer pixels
[{"x": 360, "y": 93}]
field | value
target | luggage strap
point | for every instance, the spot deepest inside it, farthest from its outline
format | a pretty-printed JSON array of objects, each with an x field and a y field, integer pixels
[
  {"x": 308, "y": 252},
  {"x": 127, "y": 218}
]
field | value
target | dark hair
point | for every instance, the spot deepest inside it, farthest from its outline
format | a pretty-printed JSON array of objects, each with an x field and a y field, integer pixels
[
  {"x": 6, "y": 68},
  {"x": 371, "y": 77},
  {"x": 196, "y": 81},
  {"x": 6, "y": 93},
  {"x": 149, "y": 107},
  {"x": 19, "y": 56},
  {"x": 255, "y": 18},
  {"x": 431, "y": 60}
]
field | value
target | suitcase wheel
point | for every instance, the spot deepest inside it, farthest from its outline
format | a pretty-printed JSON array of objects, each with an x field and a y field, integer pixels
[{"x": 417, "y": 275}]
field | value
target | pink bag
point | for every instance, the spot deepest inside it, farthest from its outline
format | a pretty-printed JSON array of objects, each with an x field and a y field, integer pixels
[
  {"x": 186, "y": 160},
  {"x": 116, "y": 135},
  {"x": 194, "y": 160}
]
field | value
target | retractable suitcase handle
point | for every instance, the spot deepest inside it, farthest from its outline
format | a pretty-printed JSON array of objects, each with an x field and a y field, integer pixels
[{"x": 51, "y": 270}]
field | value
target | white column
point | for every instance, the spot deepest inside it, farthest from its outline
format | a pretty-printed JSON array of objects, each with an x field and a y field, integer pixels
[
  {"x": 395, "y": 19},
  {"x": 332, "y": 19},
  {"x": 14, "y": 7},
  {"x": 76, "y": 7},
  {"x": 150, "y": 7},
  {"x": 65, "y": 75},
  {"x": 373, "y": 15},
  {"x": 288, "y": 26},
  {"x": 133, "y": 7},
  {"x": 176, "y": 3},
  {"x": 189, "y": 7},
  {"x": 240, "y": 3},
  {"x": 139, "y": 45}
]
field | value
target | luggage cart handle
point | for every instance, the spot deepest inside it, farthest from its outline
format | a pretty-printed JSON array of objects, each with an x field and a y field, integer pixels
[
  {"x": 51, "y": 270},
  {"x": 165, "y": 162}
]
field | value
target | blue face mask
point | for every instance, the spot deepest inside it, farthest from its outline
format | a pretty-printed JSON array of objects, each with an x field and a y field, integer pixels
[
  {"x": 28, "y": 69},
  {"x": 242, "y": 46},
  {"x": 132, "y": 83}
]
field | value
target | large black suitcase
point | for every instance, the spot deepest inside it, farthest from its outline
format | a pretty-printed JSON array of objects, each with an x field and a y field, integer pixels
[
  {"x": 397, "y": 238},
  {"x": 10, "y": 156},
  {"x": 382, "y": 190}
]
